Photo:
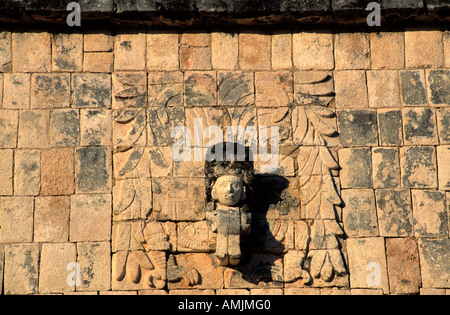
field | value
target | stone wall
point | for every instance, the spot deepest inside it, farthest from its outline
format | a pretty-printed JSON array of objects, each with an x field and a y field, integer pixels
[{"x": 87, "y": 178}]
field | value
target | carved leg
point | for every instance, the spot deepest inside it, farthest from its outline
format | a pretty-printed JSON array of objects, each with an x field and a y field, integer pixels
[
  {"x": 234, "y": 249},
  {"x": 222, "y": 249}
]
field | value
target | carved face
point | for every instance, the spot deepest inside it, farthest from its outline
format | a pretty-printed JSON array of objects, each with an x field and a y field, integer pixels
[{"x": 228, "y": 190}]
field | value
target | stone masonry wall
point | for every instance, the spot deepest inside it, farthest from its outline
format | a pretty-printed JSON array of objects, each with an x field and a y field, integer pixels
[{"x": 85, "y": 157}]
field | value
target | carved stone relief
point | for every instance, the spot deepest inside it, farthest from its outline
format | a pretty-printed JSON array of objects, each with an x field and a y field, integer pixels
[{"x": 178, "y": 222}]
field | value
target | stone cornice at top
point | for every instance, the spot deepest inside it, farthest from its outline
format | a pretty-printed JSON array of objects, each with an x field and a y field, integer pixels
[{"x": 216, "y": 13}]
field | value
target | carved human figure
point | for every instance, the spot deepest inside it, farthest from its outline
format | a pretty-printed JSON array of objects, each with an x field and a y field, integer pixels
[{"x": 228, "y": 218}]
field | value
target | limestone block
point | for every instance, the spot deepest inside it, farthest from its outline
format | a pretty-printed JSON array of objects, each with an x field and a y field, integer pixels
[
  {"x": 434, "y": 262},
  {"x": 129, "y": 52},
  {"x": 419, "y": 126},
  {"x": 357, "y": 127},
  {"x": 9, "y": 123},
  {"x": 423, "y": 48},
  {"x": 236, "y": 88},
  {"x": 67, "y": 52},
  {"x": 98, "y": 42},
  {"x": 55, "y": 263},
  {"x": 274, "y": 89},
  {"x": 165, "y": 88},
  {"x": 95, "y": 127},
  {"x": 21, "y": 269},
  {"x": 161, "y": 121},
  {"x": 438, "y": 87},
  {"x": 93, "y": 169},
  {"x": 195, "y": 58},
  {"x": 34, "y": 128},
  {"x": 390, "y": 127},
  {"x": 443, "y": 160},
  {"x": 32, "y": 52},
  {"x": 430, "y": 218},
  {"x": 394, "y": 212},
  {"x": 90, "y": 217},
  {"x": 5, "y": 52},
  {"x": 443, "y": 122},
  {"x": 95, "y": 263},
  {"x": 413, "y": 87},
  {"x": 254, "y": 51},
  {"x": 91, "y": 90},
  {"x": 387, "y": 50},
  {"x": 6, "y": 172},
  {"x": 359, "y": 213},
  {"x": 13, "y": 210},
  {"x": 65, "y": 128},
  {"x": 27, "y": 172},
  {"x": 98, "y": 62},
  {"x": 17, "y": 86},
  {"x": 200, "y": 89},
  {"x": 356, "y": 167},
  {"x": 403, "y": 266},
  {"x": 386, "y": 168},
  {"x": 352, "y": 51},
  {"x": 351, "y": 89},
  {"x": 162, "y": 51},
  {"x": 129, "y": 90},
  {"x": 224, "y": 50},
  {"x": 281, "y": 51},
  {"x": 418, "y": 167},
  {"x": 51, "y": 219},
  {"x": 50, "y": 90},
  {"x": 313, "y": 51},
  {"x": 57, "y": 172},
  {"x": 383, "y": 88}
]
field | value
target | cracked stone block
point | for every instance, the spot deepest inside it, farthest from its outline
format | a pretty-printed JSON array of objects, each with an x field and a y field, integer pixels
[
  {"x": 403, "y": 266},
  {"x": 439, "y": 87},
  {"x": 254, "y": 51},
  {"x": 57, "y": 172},
  {"x": 313, "y": 51},
  {"x": 17, "y": 86},
  {"x": 435, "y": 262},
  {"x": 165, "y": 89},
  {"x": 65, "y": 128},
  {"x": 357, "y": 127},
  {"x": 443, "y": 160},
  {"x": 394, "y": 211},
  {"x": 93, "y": 170},
  {"x": 32, "y": 52},
  {"x": 34, "y": 127},
  {"x": 6, "y": 172},
  {"x": 8, "y": 123},
  {"x": 50, "y": 90},
  {"x": 418, "y": 167},
  {"x": 27, "y": 172},
  {"x": 95, "y": 263},
  {"x": 224, "y": 50},
  {"x": 443, "y": 121},
  {"x": 67, "y": 52},
  {"x": 130, "y": 52},
  {"x": 13, "y": 210},
  {"x": 91, "y": 90},
  {"x": 423, "y": 48},
  {"x": 356, "y": 167},
  {"x": 21, "y": 269},
  {"x": 54, "y": 267},
  {"x": 413, "y": 87},
  {"x": 51, "y": 219},
  {"x": 90, "y": 218},
  {"x": 386, "y": 168},
  {"x": 359, "y": 213},
  {"x": 419, "y": 126},
  {"x": 162, "y": 51},
  {"x": 351, "y": 89},
  {"x": 430, "y": 217},
  {"x": 390, "y": 127}
]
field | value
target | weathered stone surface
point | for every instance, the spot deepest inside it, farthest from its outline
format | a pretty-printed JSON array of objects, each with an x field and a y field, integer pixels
[
  {"x": 386, "y": 169},
  {"x": 51, "y": 219},
  {"x": 313, "y": 87},
  {"x": 54, "y": 267},
  {"x": 5, "y": 52},
  {"x": 161, "y": 121},
  {"x": 129, "y": 90},
  {"x": 67, "y": 52},
  {"x": 357, "y": 127},
  {"x": 95, "y": 263},
  {"x": 2, "y": 264},
  {"x": 443, "y": 121},
  {"x": 21, "y": 269},
  {"x": 313, "y": 51},
  {"x": 93, "y": 169},
  {"x": 419, "y": 126},
  {"x": 95, "y": 127},
  {"x": 434, "y": 262},
  {"x": 390, "y": 127},
  {"x": 34, "y": 129},
  {"x": 162, "y": 51},
  {"x": 351, "y": 89},
  {"x": 130, "y": 52},
  {"x": 50, "y": 90},
  {"x": 367, "y": 263},
  {"x": 423, "y": 48},
  {"x": 200, "y": 89},
  {"x": 165, "y": 88},
  {"x": 9, "y": 123},
  {"x": 6, "y": 172},
  {"x": 17, "y": 86},
  {"x": 236, "y": 88},
  {"x": 90, "y": 218},
  {"x": 352, "y": 51},
  {"x": 98, "y": 62},
  {"x": 413, "y": 87},
  {"x": 27, "y": 172},
  {"x": 13, "y": 210},
  {"x": 443, "y": 160},
  {"x": 224, "y": 50},
  {"x": 281, "y": 51},
  {"x": 439, "y": 87},
  {"x": 383, "y": 88},
  {"x": 254, "y": 51},
  {"x": 98, "y": 42},
  {"x": 359, "y": 213},
  {"x": 394, "y": 212},
  {"x": 403, "y": 266},
  {"x": 178, "y": 199},
  {"x": 32, "y": 52},
  {"x": 387, "y": 49},
  {"x": 418, "y": 167},
  {"x": 356, "y": 167},
  {"x": 57, "y": 172},
  {"x": 129, "y": 127},
  {"x": 430, "y": 218},
  {"x": 195, "y": 58},
  {"x": 91, "y": 90},
  {"x": 274, "y": 89},
  {"x": 65, "y": 128}
]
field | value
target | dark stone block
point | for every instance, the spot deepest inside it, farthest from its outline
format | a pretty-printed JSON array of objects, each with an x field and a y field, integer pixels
[
  {"x": 93, "y": 169},
  {"x": 305, "y": 6},
  {"x": 439, "y": 86},
  {"x": 394, "y": 212},
  {"x": 413, "y": 87},
  {"x": 357, "y": 127},
  {"x": 420, "y": 126},
  {"x": 356, "y": 166},
  {"x": 418, "y": 166},
  {"x": 390, "y": 125},
  {"x": 91, "y": 90}
]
